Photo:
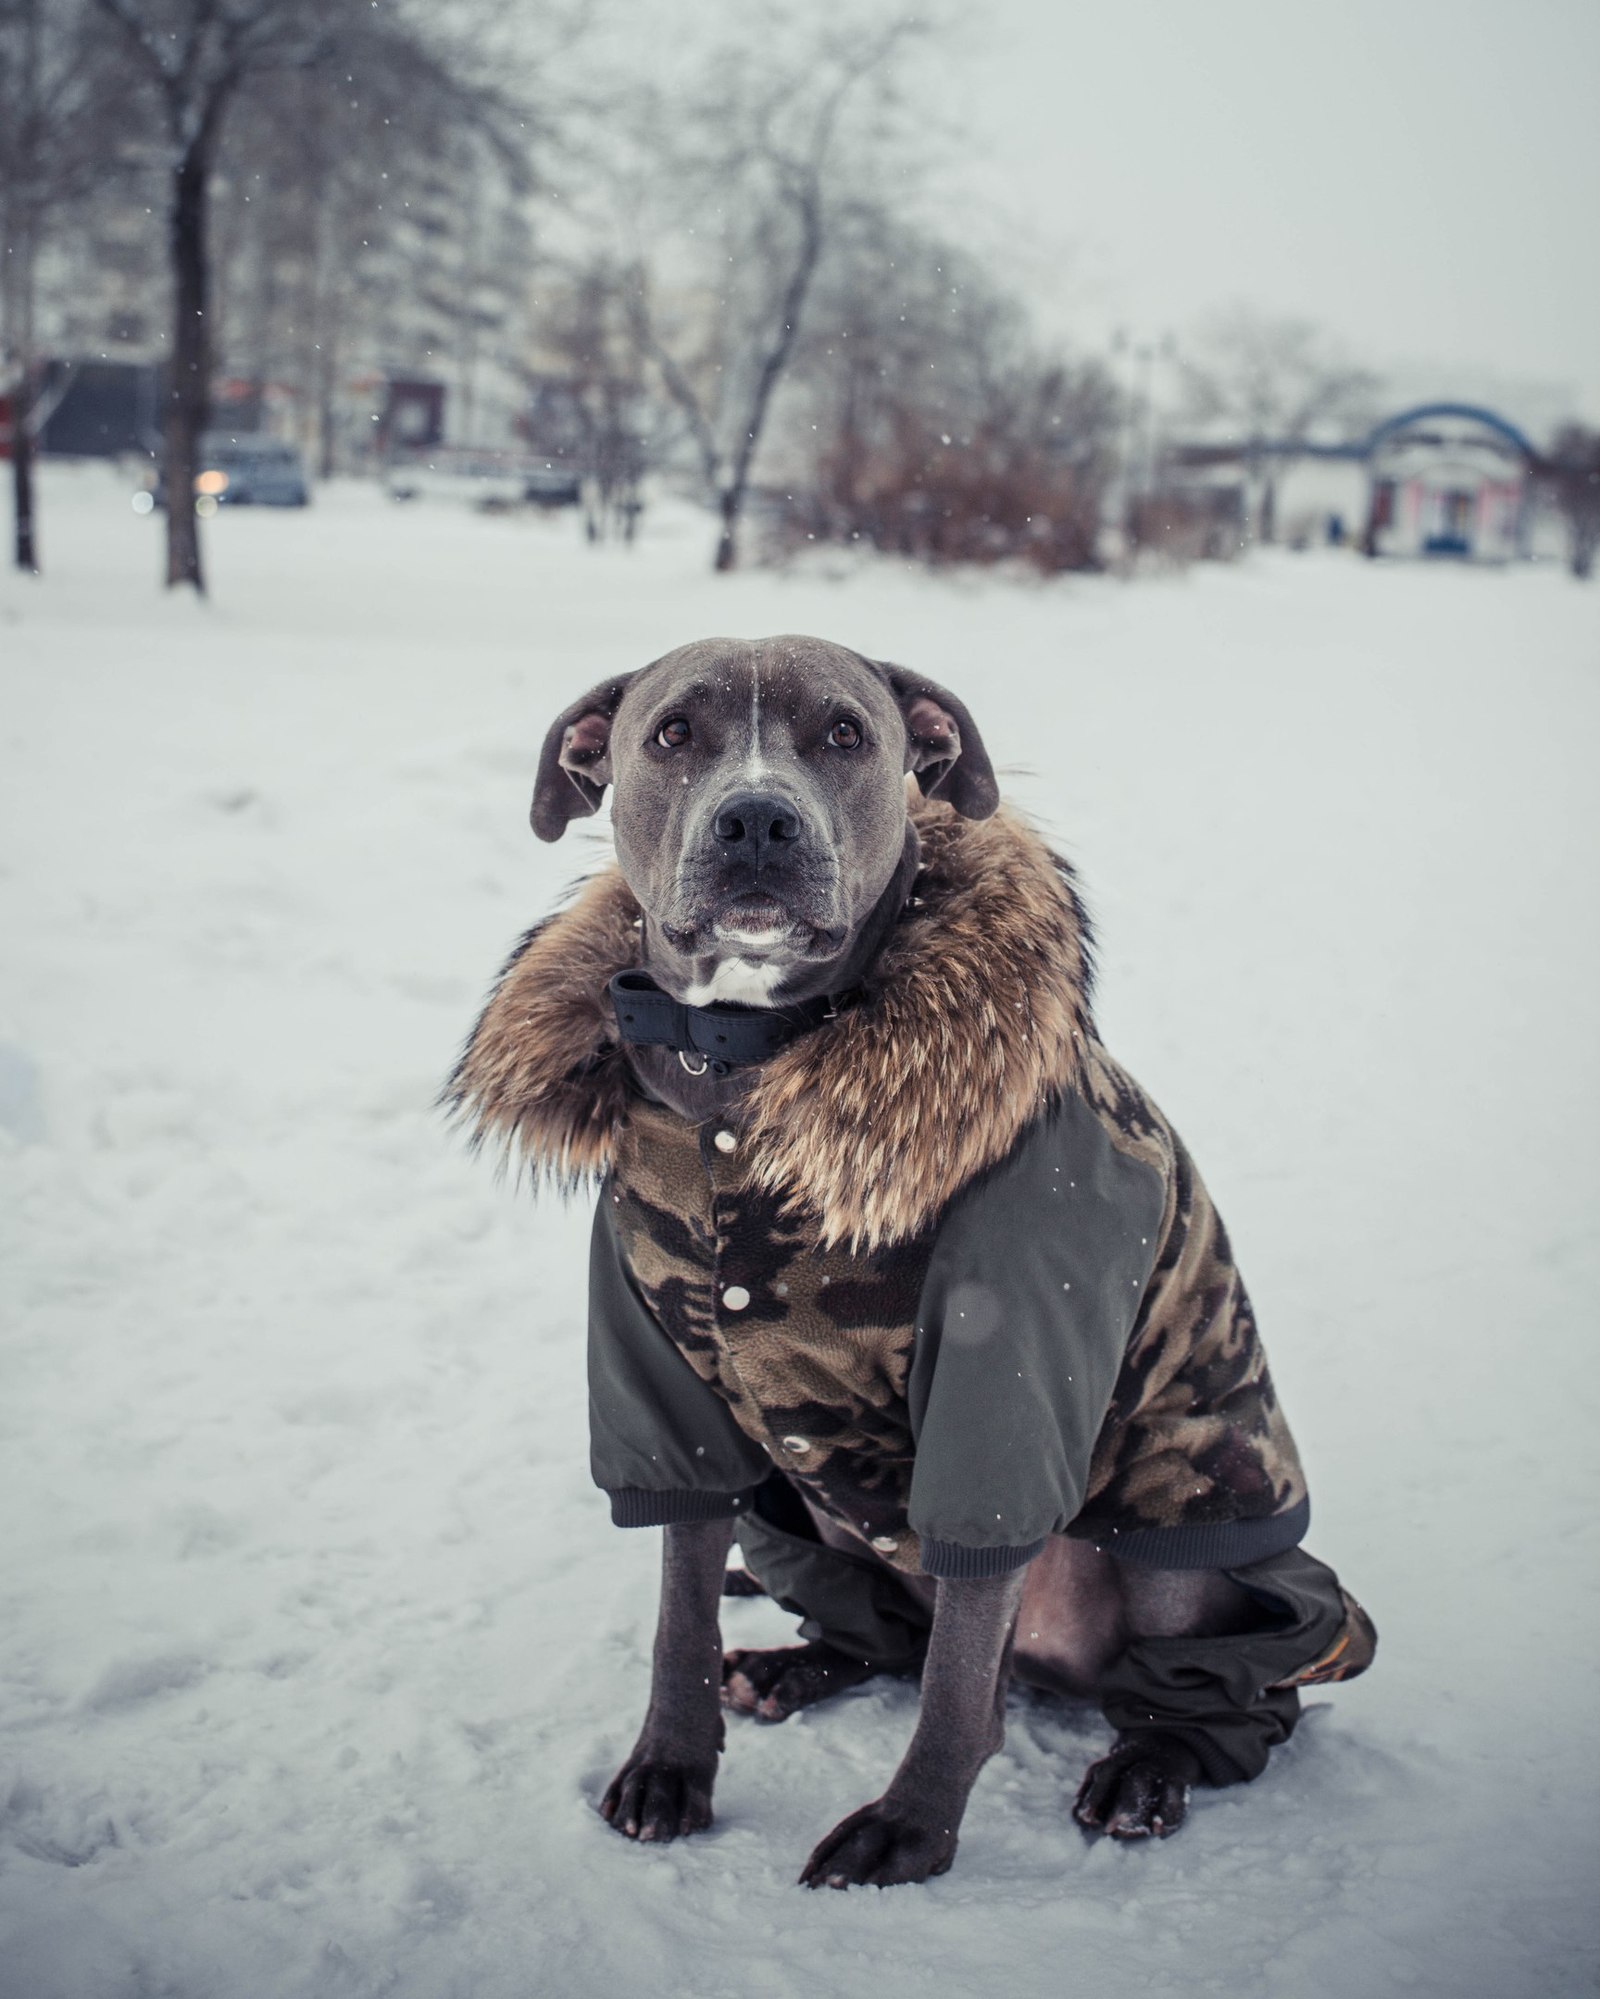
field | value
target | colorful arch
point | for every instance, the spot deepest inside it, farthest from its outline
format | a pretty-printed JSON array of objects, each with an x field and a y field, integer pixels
[{"x": 1472, "y": 411}]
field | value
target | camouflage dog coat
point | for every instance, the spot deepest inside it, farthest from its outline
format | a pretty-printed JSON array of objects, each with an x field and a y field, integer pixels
[{"x": 945, "y": 1265}]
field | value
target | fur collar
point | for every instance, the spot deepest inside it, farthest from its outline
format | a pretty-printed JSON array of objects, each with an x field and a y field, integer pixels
[{"x": 974, "y": 1015}]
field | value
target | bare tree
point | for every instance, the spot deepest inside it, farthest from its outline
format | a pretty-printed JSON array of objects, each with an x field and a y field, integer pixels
[
  {"x": 300, "y": 235},
  {"x": 756, "y": 173},
  {"x": 59, "y": 132},
  {"x": 377, "y": 225},
  {"x": 925, "y": 420},
  {"x": 1273, "y": 382},
  {"x": 1572, "y": 475},
  {"x": 197, "y": 58},
  {"x": 594, "y": 414}
]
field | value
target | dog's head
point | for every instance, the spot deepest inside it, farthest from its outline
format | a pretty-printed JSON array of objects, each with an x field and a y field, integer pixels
[{"x": 759, "y": 804}]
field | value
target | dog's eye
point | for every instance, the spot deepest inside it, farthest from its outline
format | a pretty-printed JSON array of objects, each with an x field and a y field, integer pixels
[
  {"x": 672, "y": 735},
  {"x": 845, "y": 734}
]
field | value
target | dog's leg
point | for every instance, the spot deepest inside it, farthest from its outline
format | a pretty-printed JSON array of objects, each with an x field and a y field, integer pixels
[
  {"x": 664, "y": 1788},
  {"x": 910, "y": 1832},
  {"x": 1141, "y": 1789}
]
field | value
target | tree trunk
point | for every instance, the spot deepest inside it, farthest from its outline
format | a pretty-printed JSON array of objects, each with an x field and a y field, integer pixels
[
  {"x": 189, "y": 393},
  {"x": 27, "y": 555},
  {"x": 731, "y": 501},
  {"x": 327, "y": 420},
  {"x": 21, "y": 231},
  {"x": 772, "y": 367}
]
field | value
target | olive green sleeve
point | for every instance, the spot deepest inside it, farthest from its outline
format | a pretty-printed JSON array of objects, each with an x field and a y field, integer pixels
[
  {"x": 662, "y": 1443},
  {"x": 1030, "y": 1297}
]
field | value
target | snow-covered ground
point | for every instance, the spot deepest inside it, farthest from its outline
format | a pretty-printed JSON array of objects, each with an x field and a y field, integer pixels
[{"x": 316, "y": 1644}]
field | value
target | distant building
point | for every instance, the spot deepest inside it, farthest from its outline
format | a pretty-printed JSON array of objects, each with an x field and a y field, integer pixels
[
  {"x": 1448, "y": 479},
  {"x": 98, "y": 409},
  {"x": 1442, "y": 479},
  {"x": 413, "y": 415}
]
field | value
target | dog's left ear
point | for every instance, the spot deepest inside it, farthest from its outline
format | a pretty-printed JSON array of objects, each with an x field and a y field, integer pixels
[
  {"x": 575, "y": 763},
  {"x": 943, "y": 746}
]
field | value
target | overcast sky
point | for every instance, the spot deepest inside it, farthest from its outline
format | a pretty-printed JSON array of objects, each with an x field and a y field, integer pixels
[{"x": 1421, "y": 176}]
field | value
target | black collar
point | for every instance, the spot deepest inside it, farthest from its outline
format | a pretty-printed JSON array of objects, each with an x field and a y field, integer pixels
[{"x": 724, "y": 1036}]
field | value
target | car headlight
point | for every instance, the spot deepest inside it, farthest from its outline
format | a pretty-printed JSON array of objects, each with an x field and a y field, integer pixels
[{"x": 211, "y": 483}]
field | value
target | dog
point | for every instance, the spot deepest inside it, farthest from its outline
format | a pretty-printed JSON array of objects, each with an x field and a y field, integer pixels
[{"x": 895, "y": 1273}]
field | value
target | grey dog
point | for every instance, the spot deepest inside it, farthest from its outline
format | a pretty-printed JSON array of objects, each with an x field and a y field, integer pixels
[{"x": 773, "y": 869}]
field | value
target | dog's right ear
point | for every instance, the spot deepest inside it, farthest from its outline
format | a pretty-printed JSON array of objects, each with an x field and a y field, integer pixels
[{"x": 575, "y": 763}]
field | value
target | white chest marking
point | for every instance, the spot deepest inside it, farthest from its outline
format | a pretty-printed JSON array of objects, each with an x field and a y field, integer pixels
[{"x": 746, "y": 981}]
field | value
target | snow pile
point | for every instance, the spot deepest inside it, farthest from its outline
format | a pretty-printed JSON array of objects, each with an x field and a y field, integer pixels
[{"x": 315, "y": 1642}]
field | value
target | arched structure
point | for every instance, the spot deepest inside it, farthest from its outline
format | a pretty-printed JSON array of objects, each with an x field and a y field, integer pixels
[
  {"x": 1448, "y": 479},
  {"x": 1472, "y": 413}
]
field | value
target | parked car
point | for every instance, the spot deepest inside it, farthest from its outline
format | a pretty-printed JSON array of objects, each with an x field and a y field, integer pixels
[
  {"x": 493, "y": 481},
  {"x": 239, "y": 472},
  {"x": 545, "y": 486}
]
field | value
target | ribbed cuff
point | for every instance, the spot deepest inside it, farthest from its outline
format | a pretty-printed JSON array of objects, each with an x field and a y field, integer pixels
[
  {"x": 949, "y": 1558},
  {"x": 633, "y": 1506},
  {"x": 1217, "y": 1544}
]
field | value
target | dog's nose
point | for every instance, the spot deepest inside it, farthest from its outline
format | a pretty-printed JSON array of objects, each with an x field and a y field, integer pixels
[{"x": 751, "y": 824}]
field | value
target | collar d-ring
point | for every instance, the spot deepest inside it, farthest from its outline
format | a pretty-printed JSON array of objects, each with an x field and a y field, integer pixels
[{"x": 688, "y": 1066}]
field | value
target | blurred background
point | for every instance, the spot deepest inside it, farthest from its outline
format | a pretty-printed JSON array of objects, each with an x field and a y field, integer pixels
[{"x": 1063, "y": 286}]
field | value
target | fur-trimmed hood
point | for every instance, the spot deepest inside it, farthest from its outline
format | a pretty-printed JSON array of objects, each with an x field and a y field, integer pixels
[{"x": 972, "y": 1017}]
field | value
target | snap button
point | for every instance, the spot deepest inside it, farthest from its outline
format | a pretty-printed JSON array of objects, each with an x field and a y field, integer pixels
[
  {"x": 797, "y": 1444},
  {"x": 886, "y": 1543},
  {"x": 725, "y": 1142},
  {"x": 736, "y": 1297}
]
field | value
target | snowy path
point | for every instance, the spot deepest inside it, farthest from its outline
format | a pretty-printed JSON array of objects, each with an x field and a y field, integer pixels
[{"x": 315, "y": 1642}]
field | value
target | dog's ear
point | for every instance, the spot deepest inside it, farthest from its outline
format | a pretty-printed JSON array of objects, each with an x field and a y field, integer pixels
[
  {"x": 943, "y": 746},
  {"x": 575, "y": 763}
]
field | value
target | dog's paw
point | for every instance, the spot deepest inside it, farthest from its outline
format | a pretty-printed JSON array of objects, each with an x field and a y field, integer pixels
[
  {"x": 653, "y": 1798},
  {"x": 1139, "y": 1791},
  {"x": 878, "y": 1847},
  {"x": 772, "y": 1685}
]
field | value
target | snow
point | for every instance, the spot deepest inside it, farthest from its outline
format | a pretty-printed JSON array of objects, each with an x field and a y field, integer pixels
[{"x": 316, "y": 1644}]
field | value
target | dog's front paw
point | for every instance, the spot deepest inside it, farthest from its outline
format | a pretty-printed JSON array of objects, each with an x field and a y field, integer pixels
[
  {"x": 773, "y": 1684},
  {"x": 653, "y": 1797},
  {"x": 879, "y": 1846},
  {"x": 1139, "y": 1791}
]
